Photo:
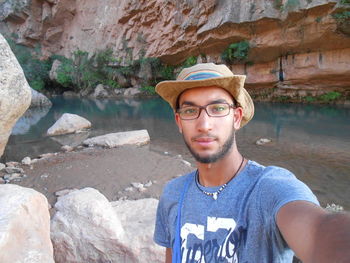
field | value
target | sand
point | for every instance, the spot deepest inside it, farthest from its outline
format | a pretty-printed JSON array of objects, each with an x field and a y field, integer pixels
[{"x": 111, "y": 171}]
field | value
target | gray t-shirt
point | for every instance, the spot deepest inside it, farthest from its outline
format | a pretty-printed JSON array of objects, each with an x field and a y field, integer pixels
[{"x": 240, "y": 226}]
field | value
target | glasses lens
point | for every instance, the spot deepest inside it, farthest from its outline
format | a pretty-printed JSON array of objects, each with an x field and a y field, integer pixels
[
  {"x": 188, "y": 113},
  {"x": 218, "y": 109}
]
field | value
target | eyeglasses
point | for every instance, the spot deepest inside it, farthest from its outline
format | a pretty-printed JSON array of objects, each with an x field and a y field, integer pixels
[{"x": 213, "y": 110}]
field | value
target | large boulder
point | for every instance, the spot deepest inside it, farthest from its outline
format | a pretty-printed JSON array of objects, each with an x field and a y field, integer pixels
[
  {"x": 85, "y": 228},
  {"x": 25, "y": 226},
  {"x": 138, "y": 218},
  {"x": 15, "y": 92},
  {"x": 111, "y": 140},
  {"x": 68, "y": 123}
]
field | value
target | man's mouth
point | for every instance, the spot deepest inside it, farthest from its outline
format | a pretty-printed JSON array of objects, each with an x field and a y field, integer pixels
[{"x": 204, "y": 140}]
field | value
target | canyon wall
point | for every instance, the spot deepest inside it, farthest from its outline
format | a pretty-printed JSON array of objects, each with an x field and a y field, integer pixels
[{"x": 300, "y": 46}]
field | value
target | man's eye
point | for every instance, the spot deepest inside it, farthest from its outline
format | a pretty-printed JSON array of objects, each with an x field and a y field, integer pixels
[
  {"x": 189, "y": 110},
  {"x": 218, "y": 108}
]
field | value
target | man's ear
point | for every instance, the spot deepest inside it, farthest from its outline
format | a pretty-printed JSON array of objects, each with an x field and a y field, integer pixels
[
  {"x": 238, "y": 115},
  {"x": 178, "y": 122}
]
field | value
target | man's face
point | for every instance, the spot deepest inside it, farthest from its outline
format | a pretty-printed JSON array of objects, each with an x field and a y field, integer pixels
[{"x": 209, "y": 139}]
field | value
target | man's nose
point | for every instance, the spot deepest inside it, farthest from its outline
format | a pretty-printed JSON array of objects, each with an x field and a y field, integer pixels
[{"x": 204, "y": 121}]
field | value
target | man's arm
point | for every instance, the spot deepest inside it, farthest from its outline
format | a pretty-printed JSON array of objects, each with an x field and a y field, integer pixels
[
  {"x": 168, "y": 255},
  {"x": 315, "y": 235}
]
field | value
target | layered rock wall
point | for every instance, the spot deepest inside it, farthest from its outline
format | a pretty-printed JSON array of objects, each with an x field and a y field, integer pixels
[{"x": 293, "y": 43}]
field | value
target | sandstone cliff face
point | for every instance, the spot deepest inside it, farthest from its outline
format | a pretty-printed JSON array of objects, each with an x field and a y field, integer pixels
[{"x": 294, "y": 44}]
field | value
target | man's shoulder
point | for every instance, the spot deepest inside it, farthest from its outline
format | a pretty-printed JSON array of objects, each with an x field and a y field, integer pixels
[{"x": 268, "y": 172}]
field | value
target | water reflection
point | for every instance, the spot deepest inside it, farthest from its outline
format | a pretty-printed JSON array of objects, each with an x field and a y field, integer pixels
[{"x": 313, "y": 141}]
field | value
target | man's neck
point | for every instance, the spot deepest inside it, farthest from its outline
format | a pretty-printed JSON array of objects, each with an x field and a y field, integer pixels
[{"x": 220, "y": 172}]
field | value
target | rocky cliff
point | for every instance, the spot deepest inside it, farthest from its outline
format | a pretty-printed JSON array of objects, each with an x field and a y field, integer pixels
[{"x": 300, "y": 46}]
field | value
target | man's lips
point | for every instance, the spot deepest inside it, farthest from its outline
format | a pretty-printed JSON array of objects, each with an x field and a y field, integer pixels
[{"x": 204, "y": 140}]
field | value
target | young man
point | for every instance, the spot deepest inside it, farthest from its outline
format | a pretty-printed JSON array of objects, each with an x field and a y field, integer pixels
[{"x": 232, "y": 209}]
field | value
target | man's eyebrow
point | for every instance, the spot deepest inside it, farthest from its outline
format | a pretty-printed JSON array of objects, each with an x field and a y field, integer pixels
[{"x": 190, "y": 103}]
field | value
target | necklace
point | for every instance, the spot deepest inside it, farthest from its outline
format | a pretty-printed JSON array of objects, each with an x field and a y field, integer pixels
[{"x": 215, "y": 194}]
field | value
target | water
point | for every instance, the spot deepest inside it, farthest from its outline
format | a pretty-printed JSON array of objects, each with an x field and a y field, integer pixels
[{"x": 313, "y": 141}]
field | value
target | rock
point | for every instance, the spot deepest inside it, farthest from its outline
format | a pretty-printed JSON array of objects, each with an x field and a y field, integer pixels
[
  {"x": 100, "y": 92},
  {"x": 46, "y": 155},
  {"x": 15, "y": 93},
  {"x": 2, "y": 166},
  {"x": 67, "y": 148},
  {"x": 10, "y": 170},
  {"x": 262, "y": 141},
  {"x": 26, "y": 161},
  {"x": 138, "y": 137},
  {"x": 186, "y": 163},
  {"x": 25, "y": 226},
  {"x": 86, "y": 228},
  {"x": 138, "y": 217},
  {"x": 2, "y": 181},
  {"x": 64, "y": 192},
  {"x": 68, "y": 123},
  {"x": 119, "y": 91},
  {"x": 148, "y": 184},
  {"x": 12, "y": 164},
  {"x": 137, "y": 185},
  {"x": 129, "y": 189},
  {"x": 11, "y": 177},
  {"x": 39, "y": 100},
  {"x": 130, "y": 92},
  {"x": 44, "y": 176}
]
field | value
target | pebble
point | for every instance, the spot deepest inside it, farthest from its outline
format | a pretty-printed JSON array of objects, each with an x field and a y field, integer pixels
[
  {"x": 2, "y": 166},
  {"x": 2, "y": 181},
  {"x": 47, "y": 155},
  {"x": 129, "y": 189},
  {"x": 44, "y": 176},
  {"x": 148, "y": 184},
  {"x": 187, "y": 163},
  {"x": 166, "y": 153},
  {"x": 123, "y": 198},
  {"x": 67, "y": 148},
  {"x": 142, "y": 189},
  {"x": 12, "y": 164},
  {"x": 137, "y": 185},
  {"x": 26, "y": 161},
  {"x": 11, "y": 170},
  {"x": 13, "y": 176},
  {"x": 263, "y": 141}
]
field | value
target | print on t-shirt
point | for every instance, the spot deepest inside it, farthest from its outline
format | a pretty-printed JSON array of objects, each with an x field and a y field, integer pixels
[{"x": 201, "y": 249}]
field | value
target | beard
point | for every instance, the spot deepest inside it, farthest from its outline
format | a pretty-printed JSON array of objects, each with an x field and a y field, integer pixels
[{"x": 223, "y": 150}]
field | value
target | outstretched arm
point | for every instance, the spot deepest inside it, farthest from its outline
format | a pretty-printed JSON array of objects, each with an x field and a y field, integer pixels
[{"x": 315, "y": 235}]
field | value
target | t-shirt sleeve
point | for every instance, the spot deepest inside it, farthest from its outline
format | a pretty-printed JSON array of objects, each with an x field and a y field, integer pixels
[
  {"x": 278, "y": 187},
  {"x": 161, "y": 233}
]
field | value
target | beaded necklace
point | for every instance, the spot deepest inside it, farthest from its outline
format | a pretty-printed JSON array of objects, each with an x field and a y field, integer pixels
[{"x": 215, "y": 194}]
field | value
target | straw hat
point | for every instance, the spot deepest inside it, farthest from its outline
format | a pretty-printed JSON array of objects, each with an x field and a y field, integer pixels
[{"x": 205, "y": 75}]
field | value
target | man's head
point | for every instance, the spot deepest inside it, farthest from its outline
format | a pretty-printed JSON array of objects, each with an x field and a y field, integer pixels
[
  {"x": 206, "y": 75},
  {"x": 209, "y": 103}
]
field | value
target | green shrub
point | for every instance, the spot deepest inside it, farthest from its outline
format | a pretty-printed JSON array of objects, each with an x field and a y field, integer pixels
[
  {"x": 330, "y": 96},
  {"x": 149, "y": 90},
  {"x": 35, "y": 70},
  {"x": 345, "y": 2},
  {"x": 236, "y": 52},
  {"x": 190, "y": 61}
]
